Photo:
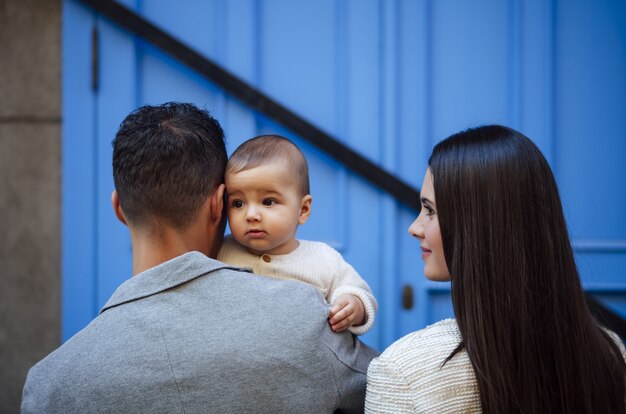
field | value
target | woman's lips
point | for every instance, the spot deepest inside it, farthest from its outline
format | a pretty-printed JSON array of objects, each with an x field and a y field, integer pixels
[{"x": 425, "y": 253}]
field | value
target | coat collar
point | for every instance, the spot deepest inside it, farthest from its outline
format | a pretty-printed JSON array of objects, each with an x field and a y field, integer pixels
[{"x": 165, "y": 276}]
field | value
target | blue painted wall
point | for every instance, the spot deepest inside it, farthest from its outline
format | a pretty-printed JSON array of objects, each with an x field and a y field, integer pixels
[{"x": 390, "y": 78}]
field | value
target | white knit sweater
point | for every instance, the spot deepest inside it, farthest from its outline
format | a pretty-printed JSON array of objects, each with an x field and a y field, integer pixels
[
  {"x": 311, "y": 262},
  {"x": 408, "y": 376}
]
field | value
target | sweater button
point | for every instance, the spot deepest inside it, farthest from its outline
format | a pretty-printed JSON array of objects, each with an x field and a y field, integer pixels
[{"x": 267, "y": 258}]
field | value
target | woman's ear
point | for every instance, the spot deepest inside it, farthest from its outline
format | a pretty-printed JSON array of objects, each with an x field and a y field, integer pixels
[
  {"x": 305, "y": 209},
  {"x": 117, "y": 207}
]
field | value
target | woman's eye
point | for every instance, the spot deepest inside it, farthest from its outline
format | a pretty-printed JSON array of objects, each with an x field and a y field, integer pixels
[
  {"x": 237, "y": 203},
  {"x": 429, "y": 211},
  {"x": 268, "y": 202}
]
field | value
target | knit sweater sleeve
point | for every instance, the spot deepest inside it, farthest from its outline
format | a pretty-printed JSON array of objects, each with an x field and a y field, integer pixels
[
  {"x": 387, "y": 390},
  {"x": 347, "y": 281}
]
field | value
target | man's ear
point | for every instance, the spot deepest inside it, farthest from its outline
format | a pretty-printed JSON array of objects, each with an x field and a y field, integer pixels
[
  {"x": 305, "y": 209},
  {"x": 217, "y": 204},
  {"x": 117, "y": 207}
]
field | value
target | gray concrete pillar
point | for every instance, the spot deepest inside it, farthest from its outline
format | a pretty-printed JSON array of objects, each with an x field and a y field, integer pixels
[{"x": 30, "y": 189}]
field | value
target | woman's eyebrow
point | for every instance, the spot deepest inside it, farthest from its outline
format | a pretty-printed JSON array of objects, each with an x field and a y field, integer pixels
[{"x": 426, "y": 201}]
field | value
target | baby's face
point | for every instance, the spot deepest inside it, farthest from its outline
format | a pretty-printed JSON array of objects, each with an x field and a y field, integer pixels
[{"x": 265, "y": 208}]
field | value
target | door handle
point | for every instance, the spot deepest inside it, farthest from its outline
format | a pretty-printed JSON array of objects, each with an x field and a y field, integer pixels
[{"x": 407, "y": 297}]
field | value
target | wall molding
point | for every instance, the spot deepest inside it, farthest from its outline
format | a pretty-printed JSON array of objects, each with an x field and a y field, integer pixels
[{"x": 599, "y": 245}]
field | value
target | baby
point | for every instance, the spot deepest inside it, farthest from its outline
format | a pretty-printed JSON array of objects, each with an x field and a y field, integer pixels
[{"x": 267, "y": 182}]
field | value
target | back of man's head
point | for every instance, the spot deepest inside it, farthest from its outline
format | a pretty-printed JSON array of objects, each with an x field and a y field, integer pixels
[{"x": 167, "y": 160}]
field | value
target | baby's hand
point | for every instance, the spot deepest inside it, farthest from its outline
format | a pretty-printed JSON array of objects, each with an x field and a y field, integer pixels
[{"x": 346, "y": 311}]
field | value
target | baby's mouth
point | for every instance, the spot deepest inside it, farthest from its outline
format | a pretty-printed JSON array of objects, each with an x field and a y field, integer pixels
[{"x": 255, "y": 233}]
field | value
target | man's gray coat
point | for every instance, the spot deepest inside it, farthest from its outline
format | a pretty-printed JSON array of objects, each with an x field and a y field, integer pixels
[{"x": 193, "y": 335}]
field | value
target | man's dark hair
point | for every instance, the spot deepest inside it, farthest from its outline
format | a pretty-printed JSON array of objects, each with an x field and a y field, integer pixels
[{"x": 167, "y": 160}]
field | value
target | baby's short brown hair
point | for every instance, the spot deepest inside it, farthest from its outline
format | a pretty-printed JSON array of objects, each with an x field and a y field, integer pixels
[{"x": 271, "y": 148}]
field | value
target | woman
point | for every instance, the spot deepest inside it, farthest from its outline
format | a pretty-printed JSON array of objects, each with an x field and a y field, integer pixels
[{"x": 523, "y": 340}]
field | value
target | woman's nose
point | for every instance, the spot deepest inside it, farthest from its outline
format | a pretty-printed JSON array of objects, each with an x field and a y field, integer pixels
[{"x": 416, "y": 229}]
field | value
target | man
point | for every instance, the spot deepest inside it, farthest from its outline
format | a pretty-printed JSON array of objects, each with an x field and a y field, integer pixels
[{"x": 187, "y": 333}]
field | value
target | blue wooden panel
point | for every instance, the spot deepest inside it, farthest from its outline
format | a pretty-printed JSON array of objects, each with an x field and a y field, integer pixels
[
  {"x": 297, "y": 59},
  {"x": 414, "y": 146},
  {"x": 79, "y": 172},
  {"x": 590, "y": 129},
  {"x": 116, "y": 98},
  {"x": 241, "y": 57},
  {"x": 194, "y": 22},
  {"x": 388, "y": 118},
  {"x": 470, "y": 65},
  {"x": 536, "y": 74},
  {"x": 414, "y": 109},
  {"x": 440, "y": 305},
  {"x": 415, "y": 130},
  {"x": 182, "y": 84},
  {"x": 590, "y": 117},
  {"x": 363, "y": 80},
  {"x": 390, "y": 79}
]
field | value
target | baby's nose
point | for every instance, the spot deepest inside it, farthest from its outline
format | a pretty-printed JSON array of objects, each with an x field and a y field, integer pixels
[{"x": 253, "y": 213}]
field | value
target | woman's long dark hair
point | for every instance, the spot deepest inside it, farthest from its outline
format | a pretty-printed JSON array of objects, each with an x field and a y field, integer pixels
[{"x": 518, "y": 301}]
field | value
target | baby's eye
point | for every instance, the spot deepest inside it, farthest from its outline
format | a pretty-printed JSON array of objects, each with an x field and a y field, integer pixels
[
  {"x": 237, "y": 203},
  {"x": 269, "y": 202}
]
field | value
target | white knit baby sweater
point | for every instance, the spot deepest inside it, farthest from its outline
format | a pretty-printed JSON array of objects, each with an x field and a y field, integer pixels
[
  {"x": 311, "y": 262},
  {"x": 408, "y": 376}
]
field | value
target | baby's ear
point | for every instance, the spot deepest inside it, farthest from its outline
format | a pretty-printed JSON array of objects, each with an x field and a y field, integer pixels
[{"x": 305, "y": 209}]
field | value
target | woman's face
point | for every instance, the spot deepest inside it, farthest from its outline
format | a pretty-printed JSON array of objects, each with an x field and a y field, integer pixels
[{"x": 426, "y": 229}]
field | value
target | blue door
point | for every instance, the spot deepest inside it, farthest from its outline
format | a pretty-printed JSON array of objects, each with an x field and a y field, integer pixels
[{"x": 389, "y": 78}]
